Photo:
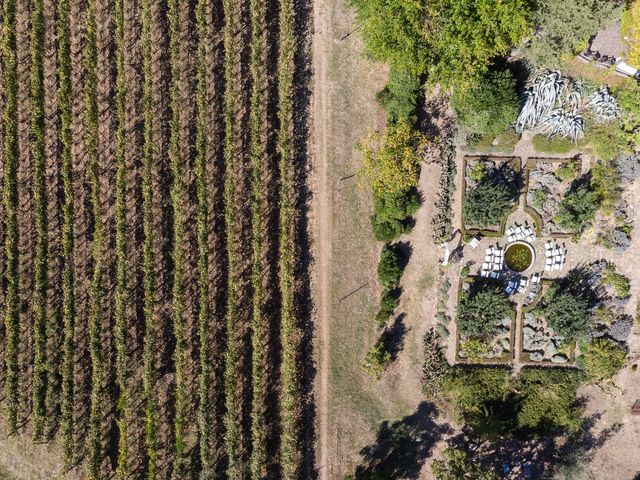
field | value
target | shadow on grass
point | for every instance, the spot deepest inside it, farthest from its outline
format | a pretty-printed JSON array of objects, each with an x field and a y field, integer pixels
[{"x": 402, "y": 447}]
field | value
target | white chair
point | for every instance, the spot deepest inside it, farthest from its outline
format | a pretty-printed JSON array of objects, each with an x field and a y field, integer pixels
[
  {"x": 535, "y": 279},
  {"x": 509, "y": 231},
  {"x": 484, "y": 273},
  {"x": 549, "y": 261},
  {"x": 524, "y": 282},
  {"x": 548, "y": 268},
  {"x": 494, "y": 274},
  {"x": 556, "y": 266}
]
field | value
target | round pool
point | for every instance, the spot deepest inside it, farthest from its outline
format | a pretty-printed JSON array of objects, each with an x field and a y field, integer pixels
[{"x": 519, "y": 256}]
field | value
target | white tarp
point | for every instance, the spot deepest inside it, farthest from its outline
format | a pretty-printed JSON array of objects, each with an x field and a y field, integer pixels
[{"x": 626, "y": 69}]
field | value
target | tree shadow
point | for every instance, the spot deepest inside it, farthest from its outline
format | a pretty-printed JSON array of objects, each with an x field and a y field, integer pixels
[
  {"x": 402, "y": 447},
  {"x": 547, "y": 454},
  {"x": 394, "y": 336},
  {"x": 404, "y": 251}
]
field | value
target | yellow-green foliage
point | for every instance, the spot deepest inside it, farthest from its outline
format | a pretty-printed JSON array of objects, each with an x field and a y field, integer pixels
[
  {"x": 630, "y": 28},
  {"x": 619, "y": 282},
  {"x": 391, "y": 161},
  {"x": 377, "y": 359},
  {"x": 602, "y": 358}
]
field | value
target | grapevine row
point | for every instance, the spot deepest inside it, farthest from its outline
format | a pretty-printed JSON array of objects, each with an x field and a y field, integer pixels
[
  {"x": 234, "y": 416},
  {"x": 177, "y": 192},
  {"x": 94, "y": 441},
  {"x": 121, "y": 297},
  {"x": 40, "y": 201},
  {"x": 206, "y": 370},
  {"x": 10, "y": 199},
  {"x": 292, "y": 392},
  {"x": 149, "y": 373},
  {"x": 260, "y": 156},
  {"x": 68, "y": 281}
]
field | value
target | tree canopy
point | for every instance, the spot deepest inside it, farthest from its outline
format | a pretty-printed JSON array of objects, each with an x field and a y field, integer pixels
[
  {"x": 488, "y": 107},
  {"x": 547, "y": 399},
  {"x": 479, "y": 312},
  {"x": 577, "y": 209},
  {"x": 487, "y": 203},
  {"x": 453, "y": 41},
  {"x": 567, "y": 313},
  {"x": 566, "y": 25},
  {"x": 463, "y": 37},
  {"x": 391, "y": 161}
]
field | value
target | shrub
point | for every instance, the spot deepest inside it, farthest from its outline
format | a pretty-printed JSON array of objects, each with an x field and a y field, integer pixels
[
  {"x": 488, "y": 107},
  {"x": 555, "y": 145},
  {"x": 566, "y": 313},
  {"x": 605, "y": 182},
  {"x": 628, "y": 96},
  {"x": 621, "y": 329},
  {"x": 539, "y": 197},
  {"x": 602, "y": 359},
  {"x": 478, "y": 171},
  {"x": 480, "y": 311},
  {"x": 391, "y": 161},
  {"x": 441, "y": 221},
  {"x": 567, "y": 171},
  {"x": 434, "y": 366},
  {"x": 487, "y": 204},
  {"x": 457, "y": 466},
  {"x": 577, "y": 209},
  {"x": 389, "y": 268},
  {"x": 377, "y": 359},
  {"x": 619, "y": 282},
  {"x": 391, "y": 214},
  {"x": 400, "y": 95},
  {"x": 607, "y": 139},
  {"x": 475, "y": 348},
  {"x": 388, "y": 303}
]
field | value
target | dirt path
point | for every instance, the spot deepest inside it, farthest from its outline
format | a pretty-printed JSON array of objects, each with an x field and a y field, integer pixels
[{"x": 323, "y": 224}]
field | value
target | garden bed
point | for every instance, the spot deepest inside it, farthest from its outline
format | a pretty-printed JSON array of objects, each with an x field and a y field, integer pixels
[
  {"x": 540, "y": 344},
  {"x": 548, "y": 181},
  {"x": 490, "y": 194}
]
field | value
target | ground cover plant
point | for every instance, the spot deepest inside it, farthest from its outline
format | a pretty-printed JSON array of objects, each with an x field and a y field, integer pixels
[{"x": 152, "y": 220}]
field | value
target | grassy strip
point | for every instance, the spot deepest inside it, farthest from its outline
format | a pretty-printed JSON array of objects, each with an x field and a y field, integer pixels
[
  {"x": 204, "y": 311},
  {"x": 149, "y": 372},
  {"x": 121, "y": 295},
  {"x": 292, "y": 390},
  {"x": 260, "y": 324},
  {"x": 10, "y": 198},
  {"x": 94, "y": 440},
  {"x": 68, "y": 282},
  {"x": 40, "y": 367},
  {"x": 177, "y": 194}
]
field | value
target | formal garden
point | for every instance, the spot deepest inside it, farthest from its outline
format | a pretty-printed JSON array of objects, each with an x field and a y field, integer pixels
[{"x": 534, "y": 210}]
